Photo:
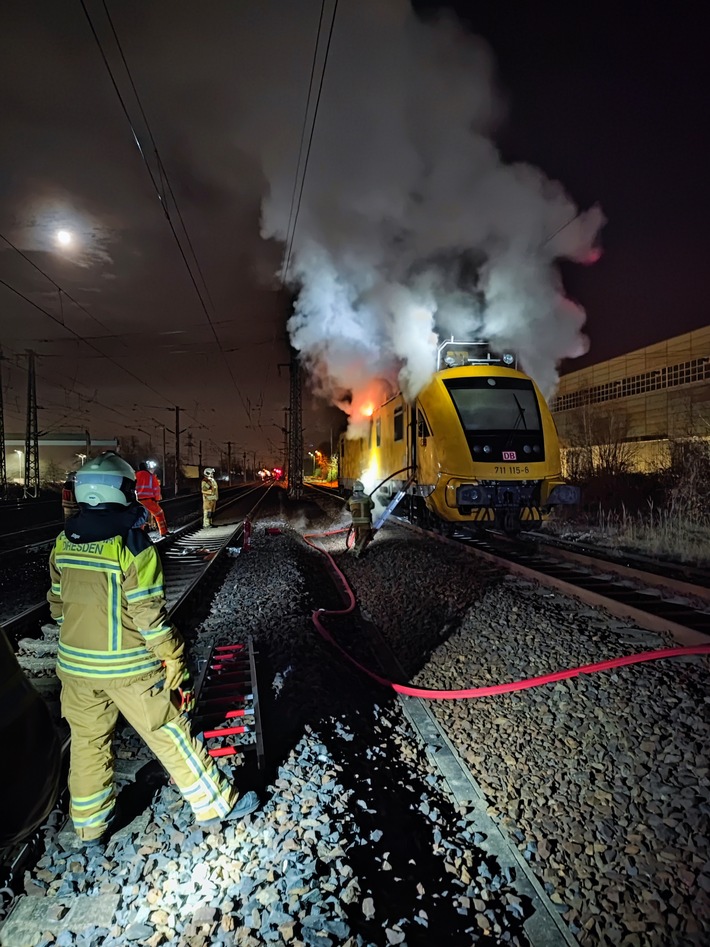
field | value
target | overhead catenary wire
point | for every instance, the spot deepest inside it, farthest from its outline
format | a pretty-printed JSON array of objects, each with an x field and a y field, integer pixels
[
  {"x": 60, "y": 289},
  {"x": 161, "y": 167},
  {"x": 160, "y": 194},
  {"x": 310, "y": 138},
  {"x": 292, "y": 220},
  {"x": 90, "y": 344},
  {"x": 303, "y": 133}
]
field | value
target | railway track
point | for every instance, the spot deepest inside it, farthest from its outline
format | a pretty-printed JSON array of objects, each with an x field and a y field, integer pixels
[
  {"x": 659, "y": 597},
  {"x": 655, "y": 601},
  {"x": 179, "y": 552},
  {"x": 37, "y": 538},
  {"x": 188, "y": 560},
  {"x": 543, "y": 926}
]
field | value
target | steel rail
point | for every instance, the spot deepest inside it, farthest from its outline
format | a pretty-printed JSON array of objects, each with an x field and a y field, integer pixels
[
  {"x": 12, "y": 860},
  {"x": 645, "y": 609},
  {"x": 36, "y": 613}
]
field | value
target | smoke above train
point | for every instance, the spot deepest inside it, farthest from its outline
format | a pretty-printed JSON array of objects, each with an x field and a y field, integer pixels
[{"x": 411, "y": 228}]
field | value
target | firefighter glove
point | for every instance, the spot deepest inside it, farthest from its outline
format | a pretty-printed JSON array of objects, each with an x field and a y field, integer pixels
[{"x": 186, "y": 690}]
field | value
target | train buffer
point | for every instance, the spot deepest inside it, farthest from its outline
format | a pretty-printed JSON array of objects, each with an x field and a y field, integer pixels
[{"x": 226, "y": 712}]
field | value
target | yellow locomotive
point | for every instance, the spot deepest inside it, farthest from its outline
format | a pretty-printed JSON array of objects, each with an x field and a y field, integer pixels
[{"x": 478, "y": 441}]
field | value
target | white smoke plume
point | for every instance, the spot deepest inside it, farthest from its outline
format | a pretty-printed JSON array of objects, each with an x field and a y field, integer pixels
[{"x": 411, "y": 227}]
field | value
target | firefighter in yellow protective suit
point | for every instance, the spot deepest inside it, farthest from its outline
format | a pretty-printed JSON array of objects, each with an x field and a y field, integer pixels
[
  {"x": 119, "y": 653},
  {"x": 30, "y": 787},
  {"x": 361, "y": 506},
  {"x": 210, "y": 495}
]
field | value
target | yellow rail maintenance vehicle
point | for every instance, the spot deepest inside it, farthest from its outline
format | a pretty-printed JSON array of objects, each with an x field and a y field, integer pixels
[{"x": 477, "y": 447}]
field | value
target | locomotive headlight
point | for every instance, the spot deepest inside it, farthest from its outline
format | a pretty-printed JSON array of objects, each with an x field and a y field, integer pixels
[
  {"x": 508, "y": 359},
  {"x": 486, "y": 448},
  {"x": 527, "y": 448}
]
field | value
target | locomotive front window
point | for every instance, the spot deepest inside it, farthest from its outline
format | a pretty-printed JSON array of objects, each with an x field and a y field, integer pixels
[{"x": 495, "y": 403}]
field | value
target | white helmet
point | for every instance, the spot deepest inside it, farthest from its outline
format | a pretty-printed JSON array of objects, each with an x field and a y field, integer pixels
[
  {"x": 209, "y": 471},
  {"x": 106, "y": 479},
  {"x": 358, "y": 487}
]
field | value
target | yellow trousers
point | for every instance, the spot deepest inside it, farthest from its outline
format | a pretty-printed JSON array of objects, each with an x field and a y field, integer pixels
[
  {"x": 92, "y": 713},
  {"x": 208, "y": 508}
]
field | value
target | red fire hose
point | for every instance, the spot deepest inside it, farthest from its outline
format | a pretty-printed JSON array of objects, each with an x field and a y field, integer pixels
[{"x": 493, "y": 689}]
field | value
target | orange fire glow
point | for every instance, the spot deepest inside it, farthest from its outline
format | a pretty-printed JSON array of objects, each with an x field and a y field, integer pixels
[{"x": 367, "y": 410}]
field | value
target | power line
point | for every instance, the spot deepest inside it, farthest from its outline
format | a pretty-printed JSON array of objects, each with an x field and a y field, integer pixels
[
  {"x": 161, "y": 167},
  {"x": 91, "y": 346},
  {"x": 161, "y": 197},
  {"x": 289, "y": 232},
  {"x": 303, "y": 131},
  {"x": 54, "y": 283},
  {"x": 310, "y": 139}
]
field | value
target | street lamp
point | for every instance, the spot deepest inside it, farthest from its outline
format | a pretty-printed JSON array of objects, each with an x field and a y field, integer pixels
[{"x": 82, "y": 457}]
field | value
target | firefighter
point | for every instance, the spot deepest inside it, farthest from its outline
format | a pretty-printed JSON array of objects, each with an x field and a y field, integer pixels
[
  {"x": 210, "y": 494},
  {"x": 28, "y": 738},
  {"x": 148, "y": 493},
  {"x": 119, "y": 653},
  {"x": 361, "y": 506},
  {"x": 69, "y": 505}
]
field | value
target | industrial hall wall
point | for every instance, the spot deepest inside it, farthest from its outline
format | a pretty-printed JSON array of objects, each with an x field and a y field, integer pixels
[{"x": 646, "y": 399}]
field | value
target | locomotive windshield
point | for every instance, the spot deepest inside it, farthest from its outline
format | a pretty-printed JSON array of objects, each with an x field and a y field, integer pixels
[{"x": 495, "y": 404}]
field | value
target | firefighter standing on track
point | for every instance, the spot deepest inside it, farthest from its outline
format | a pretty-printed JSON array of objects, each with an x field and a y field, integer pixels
[
  {"x": 69, "y": 505},
  {"x": 210, "y": 494},
  {"x": 119, "y": 653},
  {"x": 361, "y": 506},
  {"x": 148, "y": 493}
]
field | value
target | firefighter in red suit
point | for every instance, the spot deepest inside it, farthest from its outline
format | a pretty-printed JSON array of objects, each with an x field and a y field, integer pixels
[{"x": 148, "y": 493}]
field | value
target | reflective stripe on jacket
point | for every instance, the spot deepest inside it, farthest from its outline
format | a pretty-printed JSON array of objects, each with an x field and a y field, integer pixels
[
  {"x": 147, "y": 485},
  {"x": 210, "y": 490},
  {"x": 360, "y": 507},
  {"x": 109, "y": 602}
]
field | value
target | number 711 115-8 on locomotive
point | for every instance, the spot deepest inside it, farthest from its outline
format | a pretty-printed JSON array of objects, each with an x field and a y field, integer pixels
[{"x": 479, "y": 441}]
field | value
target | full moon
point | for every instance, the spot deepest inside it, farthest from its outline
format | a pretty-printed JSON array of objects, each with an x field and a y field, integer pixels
[{"x": 63, "y": 238}]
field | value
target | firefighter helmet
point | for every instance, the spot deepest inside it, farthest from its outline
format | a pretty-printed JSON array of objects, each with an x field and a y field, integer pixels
[
  {"x": 105, "y": 479},
  {"x": 358, "y": 487},
  {"x": 209, "y": 471}
]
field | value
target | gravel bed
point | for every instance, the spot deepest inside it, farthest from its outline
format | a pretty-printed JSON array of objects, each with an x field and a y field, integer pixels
[
  {"x": 601, "y": 779},
  {"x": 23, "y": 583},
  {"x": 357, "y": 843}
]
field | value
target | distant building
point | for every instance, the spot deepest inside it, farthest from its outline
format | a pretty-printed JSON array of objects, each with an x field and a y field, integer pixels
[
  {"x": 58, "y": 454},
  {"x": 638, "y": 403}
]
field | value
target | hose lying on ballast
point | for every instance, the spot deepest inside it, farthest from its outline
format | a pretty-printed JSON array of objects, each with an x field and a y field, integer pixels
[{"x": 492, "y": 689}]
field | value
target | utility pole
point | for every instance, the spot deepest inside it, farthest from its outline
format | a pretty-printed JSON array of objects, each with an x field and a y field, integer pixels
[
  {"x": 285, "y": 441},
  {"x": 177, "y": 449},
  {"x": 3, "y": 462},
  {"x": 229, "y": 463},
  {"x": 245, "y": 465},
  {"x": 190, "y": 447},
  {"x": 31, "y": 432},
  {"x": 199, "y": 456},
  {"x": 295, "y": 442},
  {"x": 164, "y": 471}
]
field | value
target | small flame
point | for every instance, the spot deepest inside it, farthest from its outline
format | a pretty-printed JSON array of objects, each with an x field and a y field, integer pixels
[{"x": 367, "y": 410}]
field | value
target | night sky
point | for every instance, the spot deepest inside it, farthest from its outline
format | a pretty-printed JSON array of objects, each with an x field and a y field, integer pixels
[{"x": 610, "y": 103}]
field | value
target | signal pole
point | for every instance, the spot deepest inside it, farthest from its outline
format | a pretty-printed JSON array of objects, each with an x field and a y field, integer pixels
[
  {"x": 295, "y": 442},
  {"x": 31, "y": 432}
]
